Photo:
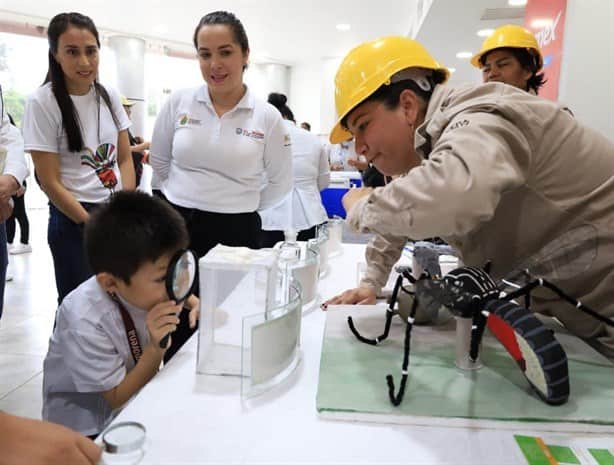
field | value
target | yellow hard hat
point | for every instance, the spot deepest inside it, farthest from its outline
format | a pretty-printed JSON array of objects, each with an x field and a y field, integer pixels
[
  {"x": 126, "y": 102},
  {"x": 511, "y": 36},
  {"x": 369, "y": 66}
]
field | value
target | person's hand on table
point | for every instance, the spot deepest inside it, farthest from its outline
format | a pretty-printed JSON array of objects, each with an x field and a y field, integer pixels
[
  {"x": 354, "y": 195},
  {"x": 360, "y": 295}
]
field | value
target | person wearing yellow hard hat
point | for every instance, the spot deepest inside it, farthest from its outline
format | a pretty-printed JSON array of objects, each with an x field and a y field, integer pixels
[
  {"x": 491, "y": 169},
  {"x": 511, "y": 55}
]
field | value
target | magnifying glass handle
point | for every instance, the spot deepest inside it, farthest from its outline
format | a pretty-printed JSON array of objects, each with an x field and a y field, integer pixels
[{"x": 164, "y": 341}]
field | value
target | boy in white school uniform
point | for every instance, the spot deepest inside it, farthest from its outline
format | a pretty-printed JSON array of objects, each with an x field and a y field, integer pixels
[{"x": 93, "y": 365}]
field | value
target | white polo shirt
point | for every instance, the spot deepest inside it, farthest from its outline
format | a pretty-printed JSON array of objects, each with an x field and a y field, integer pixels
[
  {"x": 92, "y": 174},
  {"x": 217, "y": 164},
  {"x": 302, "y": 208},
  {"x": 88, "y": 354},
  {"x": 12, "y": 160}
]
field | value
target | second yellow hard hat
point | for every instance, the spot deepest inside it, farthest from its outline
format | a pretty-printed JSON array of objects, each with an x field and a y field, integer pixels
[{"x": 512, "y": 36}]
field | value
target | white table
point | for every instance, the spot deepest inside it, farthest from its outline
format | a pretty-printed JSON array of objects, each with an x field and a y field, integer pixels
[{"x": 200, "y": 419}]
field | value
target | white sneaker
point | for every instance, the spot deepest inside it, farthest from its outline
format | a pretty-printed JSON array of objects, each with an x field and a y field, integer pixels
[
  {"x": 20, "y": 248},
  {"x": 9, "y": 273}
]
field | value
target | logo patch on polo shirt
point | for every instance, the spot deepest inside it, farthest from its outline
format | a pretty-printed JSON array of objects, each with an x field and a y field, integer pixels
[
  {"x": 257, "y": 135},
  {"x": 185, "y": 119}
]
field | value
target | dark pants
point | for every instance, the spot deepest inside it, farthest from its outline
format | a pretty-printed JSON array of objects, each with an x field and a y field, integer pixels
[
  {"x": 270, "y": 238},
  {"x": 65, "y": 238},
  {"x": 19, "y": 214},
  {"x": 207, "y": 229},
  {"x": 4, "y": 261}
]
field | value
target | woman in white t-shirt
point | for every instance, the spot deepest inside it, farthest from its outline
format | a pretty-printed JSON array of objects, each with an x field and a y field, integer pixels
[
  {"x": 76, "y": 131},
  {"x": 302, "y": 209},
  {"x": 213, "y": 145}
]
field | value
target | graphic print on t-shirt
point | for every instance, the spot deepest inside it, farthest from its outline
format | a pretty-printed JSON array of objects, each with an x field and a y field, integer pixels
[{"x": 102, "y": 162}]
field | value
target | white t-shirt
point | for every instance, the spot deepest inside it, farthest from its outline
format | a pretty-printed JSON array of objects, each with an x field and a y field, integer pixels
[
  {"x": 88, "y": 354},
  {"x": 92, "y": 174},
  {"x": 302, "y": 207},
  {"x": 217, "y": 164}
]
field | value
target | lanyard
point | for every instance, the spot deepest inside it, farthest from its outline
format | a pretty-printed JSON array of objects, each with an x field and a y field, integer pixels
[{"x": 131, "y": 334}]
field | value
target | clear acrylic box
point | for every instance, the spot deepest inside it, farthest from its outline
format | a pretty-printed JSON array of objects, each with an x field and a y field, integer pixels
[{"x": 235, "y": 282}]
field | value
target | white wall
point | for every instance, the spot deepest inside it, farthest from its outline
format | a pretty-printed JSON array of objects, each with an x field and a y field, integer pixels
[
  {"x": 304, "y": 98},
  {"x": 264, "y": 78},
  {"x": 587, "y": 71},
  {"x": 312, "y": 93}
]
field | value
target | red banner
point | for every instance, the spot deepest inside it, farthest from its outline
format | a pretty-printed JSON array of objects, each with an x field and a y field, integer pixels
[{"x": 546, "y": 19}]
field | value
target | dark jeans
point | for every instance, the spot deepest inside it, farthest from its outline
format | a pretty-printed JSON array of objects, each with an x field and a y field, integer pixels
[
  {"x": 4, "y": 261},
  {"x": 19, "y": 214},
  {"x": 65, "y": 238},
  {"x": 207, "y": 229},
  {"x": 270, "y": 238}
]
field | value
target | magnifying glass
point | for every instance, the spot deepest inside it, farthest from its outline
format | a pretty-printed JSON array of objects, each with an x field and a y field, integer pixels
[
  {"x": 123, "y": 443},
  {"x": 180, "y": 280}
]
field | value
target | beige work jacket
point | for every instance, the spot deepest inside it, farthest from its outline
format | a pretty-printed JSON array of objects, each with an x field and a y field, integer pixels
[{"x": 505, "y": 174}]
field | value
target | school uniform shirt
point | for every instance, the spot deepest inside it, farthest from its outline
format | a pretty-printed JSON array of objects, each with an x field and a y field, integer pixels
[
  {"x": 92, "y": 174},
  {"x": 217, "y": 164},
  {"x": 88, "y": 354},
  {"x": 302, "y": 207},
  {"x": 504, "y": 174},
  {"x": 12, "y": 160}
]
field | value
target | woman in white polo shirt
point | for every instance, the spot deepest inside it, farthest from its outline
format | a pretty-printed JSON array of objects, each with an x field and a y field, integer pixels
[
  {"x": 213, "y": 146},
  {"x": 76, "y": 131},
  {"x": 302, "y": 209}
]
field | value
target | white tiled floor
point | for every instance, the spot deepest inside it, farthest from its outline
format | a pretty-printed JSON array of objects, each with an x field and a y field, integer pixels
[{"x": 27, "y": 321}]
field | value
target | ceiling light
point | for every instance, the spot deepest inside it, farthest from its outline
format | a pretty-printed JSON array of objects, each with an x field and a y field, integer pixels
[
  {"x": 485, "y": 32},
  {"x": 343, "y": 27},
  {"x": 541, "y": 23},
  {"x": 452, "y": 70},
  {"x": 516, "y": 2},
  {"x": 464, "y": 55}
]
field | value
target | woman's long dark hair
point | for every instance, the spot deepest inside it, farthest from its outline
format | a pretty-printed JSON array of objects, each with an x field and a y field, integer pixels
[{"x": 70, "y": 117}]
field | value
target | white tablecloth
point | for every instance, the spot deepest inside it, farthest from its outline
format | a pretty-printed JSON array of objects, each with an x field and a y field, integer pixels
[{"x": 198, "y": 419}]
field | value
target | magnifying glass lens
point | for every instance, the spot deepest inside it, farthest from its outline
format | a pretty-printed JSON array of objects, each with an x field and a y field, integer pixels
[
  {"x": 124, "y": 438},
  {"x": 181, "y": 275},
  {"x": 180, "y": 279}
]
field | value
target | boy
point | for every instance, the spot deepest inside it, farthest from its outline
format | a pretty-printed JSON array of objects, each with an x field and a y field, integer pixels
[{"x": 95, "y": 364}]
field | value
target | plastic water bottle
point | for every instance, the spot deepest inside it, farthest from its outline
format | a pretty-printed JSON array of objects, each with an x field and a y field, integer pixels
[{"x": 289, "y": 255}]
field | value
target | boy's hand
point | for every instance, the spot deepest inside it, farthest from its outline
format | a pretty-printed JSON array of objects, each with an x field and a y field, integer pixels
[
  {"x": 161, "y": 320},
  {"x": 193, "y": 304}
]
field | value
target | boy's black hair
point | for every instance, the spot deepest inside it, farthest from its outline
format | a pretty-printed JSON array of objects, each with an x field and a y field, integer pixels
[{"x": 131, "y": 230}]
